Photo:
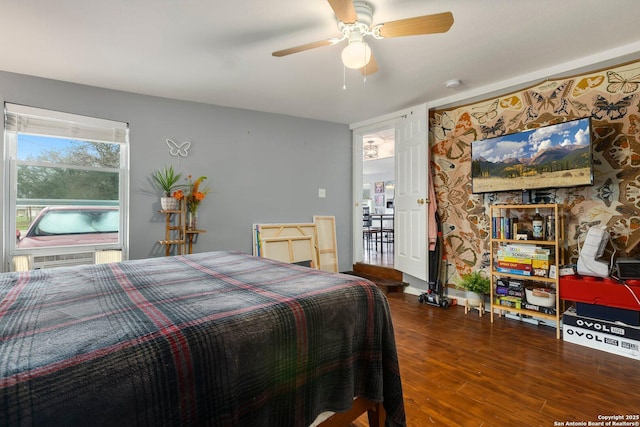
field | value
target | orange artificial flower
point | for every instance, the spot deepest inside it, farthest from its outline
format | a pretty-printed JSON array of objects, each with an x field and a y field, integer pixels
[{"x": 194, "y": 195}]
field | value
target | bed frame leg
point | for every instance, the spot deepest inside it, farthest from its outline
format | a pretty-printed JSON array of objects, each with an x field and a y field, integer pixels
[{"x": 376, "y": 415}]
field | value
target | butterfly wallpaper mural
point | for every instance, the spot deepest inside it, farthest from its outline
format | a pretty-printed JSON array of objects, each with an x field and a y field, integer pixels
[{"x": 611, "y": 97}]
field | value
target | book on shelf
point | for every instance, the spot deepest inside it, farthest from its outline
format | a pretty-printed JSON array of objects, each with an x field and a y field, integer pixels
[
  {"x": 504, "y": 227},
  {"x": 517, "y": 260},
  {"x": 514, "y": 265},
  {"x": 521, "y": 253},
  {"x": 525, "y": 248},
  {"x": 513, "y": 271},
  {"x": 498, "y": 227}
]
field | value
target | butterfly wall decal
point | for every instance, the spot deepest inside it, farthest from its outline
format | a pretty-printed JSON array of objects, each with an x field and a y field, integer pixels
[
  {"x": 617, "y": 83},
  {"x": 489, "y": 114},
  {"x": 463, "y": 251},
  {"x": 624, "y": 152},
  {"x": 176, "y": 149},
  {"x": 624, "y": 232},
  {"x": 587, "y": 83},
  {"x": 441, "y": 125},
  {"x": 497, "y": 129},
  {"x": 457, "y": 142},
  {"x": 443, "y": 164},
  {"x": 615, "y": 110},
  {"x": 513, "y": 102},
  {"x": 556, "y": 101},
  {"x": 634, "y": 124},
  {"x": 606, "y": 192},
  {"x": 479, "y": 225}
]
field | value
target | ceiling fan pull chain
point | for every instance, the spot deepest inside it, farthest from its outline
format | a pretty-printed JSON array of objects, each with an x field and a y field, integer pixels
[
  {"x": 344, "y": 77},
  {"x": 366, "y": 61}
]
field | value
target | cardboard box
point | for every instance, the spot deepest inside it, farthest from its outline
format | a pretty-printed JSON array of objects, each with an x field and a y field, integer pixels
[
  {"x": 571, "y": 318},
  {"x": 536, "y": 263},
  {"x": 509, "y": 302},
  {"x": 601, "y": 335},
  {"x": 516, "y": 284},
  {"x": 515, "y": 293},
  {"x": 539, "y": 309},
  {"x": 601, "y": 341},
  {"x": 502, "y": 290},
  {"x": 611, "y": 314},
  {"x": 540, "y": 272}
]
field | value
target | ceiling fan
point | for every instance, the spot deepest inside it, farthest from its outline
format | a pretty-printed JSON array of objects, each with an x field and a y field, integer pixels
[{"x": 354, "y": 22}]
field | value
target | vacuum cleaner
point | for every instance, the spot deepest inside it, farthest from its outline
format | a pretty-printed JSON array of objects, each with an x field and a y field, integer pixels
[{"x": 437, "y": 268}]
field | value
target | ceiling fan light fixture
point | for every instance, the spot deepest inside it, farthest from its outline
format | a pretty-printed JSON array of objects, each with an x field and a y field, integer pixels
[
  {"x": 357, "y": 54},
  {"x": 370, "y": 151}
]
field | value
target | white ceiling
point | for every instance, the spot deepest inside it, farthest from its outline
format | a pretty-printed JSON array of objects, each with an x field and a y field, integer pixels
[{"x": 219, "y": 52}]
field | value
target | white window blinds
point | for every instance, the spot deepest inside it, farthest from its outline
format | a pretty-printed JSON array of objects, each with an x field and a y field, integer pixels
[{"x": 36, "y": 121}]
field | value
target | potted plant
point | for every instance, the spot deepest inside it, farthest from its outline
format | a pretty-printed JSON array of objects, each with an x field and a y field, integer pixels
[
  {"x": 477, "y": 285},
  {"x": 167, "y": 180}
]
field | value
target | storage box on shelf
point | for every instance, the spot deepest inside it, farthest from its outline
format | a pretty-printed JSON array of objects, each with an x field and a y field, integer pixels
[
  {"x": 524, "y": 273},
  {"x": 608, "y": 292}
]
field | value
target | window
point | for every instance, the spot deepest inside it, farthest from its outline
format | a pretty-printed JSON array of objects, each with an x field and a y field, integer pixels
[{"x": 66, "y": 185}]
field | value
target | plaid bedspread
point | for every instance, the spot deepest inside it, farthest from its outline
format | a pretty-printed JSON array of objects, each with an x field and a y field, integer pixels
[{"x": 219, "y": 339}]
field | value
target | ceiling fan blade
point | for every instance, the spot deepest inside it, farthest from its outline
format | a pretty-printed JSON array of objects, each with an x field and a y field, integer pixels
[
  {"x": 303, "y": 47},
  {"x": 428, "y": 24},
  {"x": 345, "y": 10},
  {"x": 371, "y": 67}
]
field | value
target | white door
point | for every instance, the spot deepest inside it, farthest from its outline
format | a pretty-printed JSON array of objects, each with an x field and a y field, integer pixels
[
  {"x": 359, "y": 132},
  {"x": 411, "y": 200}
]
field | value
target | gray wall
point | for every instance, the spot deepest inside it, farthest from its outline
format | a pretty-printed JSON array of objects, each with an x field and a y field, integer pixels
[{"x": 262, "y": 167}]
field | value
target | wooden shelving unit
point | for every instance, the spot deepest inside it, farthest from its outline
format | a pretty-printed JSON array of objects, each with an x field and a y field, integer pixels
[
  {"x": 553, "y": 244},
  {"x": 177, "y": 235},
  {"x": 175, "y": 231}
]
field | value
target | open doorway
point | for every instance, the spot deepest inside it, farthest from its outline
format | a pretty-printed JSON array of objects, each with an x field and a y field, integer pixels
[
  {"x": 410, "y": 196},
  {"x": 378, "y": 193}
]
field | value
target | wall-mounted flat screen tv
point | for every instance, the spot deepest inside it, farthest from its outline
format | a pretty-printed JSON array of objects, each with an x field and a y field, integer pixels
[{"x": 552, "y": 156}]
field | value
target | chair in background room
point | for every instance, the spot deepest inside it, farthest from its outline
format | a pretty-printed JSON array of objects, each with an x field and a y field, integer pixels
[
  {"x": 387, "y": 235},
  {"x": 368, "y": 231}
]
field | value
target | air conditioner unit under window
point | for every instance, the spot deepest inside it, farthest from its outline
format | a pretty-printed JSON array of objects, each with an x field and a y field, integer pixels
[{"x": 63, "y": 260}]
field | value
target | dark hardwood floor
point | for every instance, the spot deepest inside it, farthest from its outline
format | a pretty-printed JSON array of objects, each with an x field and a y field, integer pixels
[
  {"x": 462, "y": 370},
  {"x": 380, "y": 256}
]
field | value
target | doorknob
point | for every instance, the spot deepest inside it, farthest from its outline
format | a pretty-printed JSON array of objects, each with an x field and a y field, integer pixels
[{"x": 421, "y": 201}]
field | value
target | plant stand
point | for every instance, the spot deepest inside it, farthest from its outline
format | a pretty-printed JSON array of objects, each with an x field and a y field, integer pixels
[
  {"x": 178, "y": 235},
  {"x": 174, "y": 240},
  {"x": 479, "y": 306}
]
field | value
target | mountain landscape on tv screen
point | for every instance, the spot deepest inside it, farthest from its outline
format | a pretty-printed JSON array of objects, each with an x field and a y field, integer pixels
[
  {"x": 549, "y": 160},
  {"x": 548, "y": 157}
]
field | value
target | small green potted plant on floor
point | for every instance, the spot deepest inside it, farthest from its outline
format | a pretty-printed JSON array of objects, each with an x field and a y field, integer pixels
[
  {"x": 477, "y": 285},
  {"x": 167, "y": 180}
]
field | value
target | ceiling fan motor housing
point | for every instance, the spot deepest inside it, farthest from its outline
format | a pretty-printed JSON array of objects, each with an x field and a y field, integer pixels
[{"x": 365, "y": 12}]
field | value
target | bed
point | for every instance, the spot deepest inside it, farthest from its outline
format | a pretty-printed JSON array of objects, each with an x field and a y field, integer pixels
[{"x": 219, "y": 339}]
